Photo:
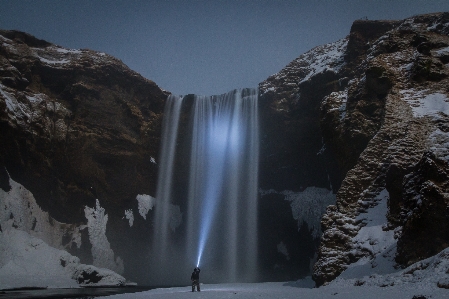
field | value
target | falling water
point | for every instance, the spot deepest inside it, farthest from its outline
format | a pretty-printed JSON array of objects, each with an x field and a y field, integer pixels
[{"x": 220, "y": 205}]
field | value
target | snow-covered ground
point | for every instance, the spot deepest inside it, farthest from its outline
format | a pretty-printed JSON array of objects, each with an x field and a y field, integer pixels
[
  {"x": 300, "y": 289},
  {"x": 32, "y": 253}
]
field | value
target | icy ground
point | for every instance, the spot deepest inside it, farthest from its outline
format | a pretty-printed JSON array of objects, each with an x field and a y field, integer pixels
[
  {"x": 426, "y": 279},
  {"x": 300, "y": 289}
]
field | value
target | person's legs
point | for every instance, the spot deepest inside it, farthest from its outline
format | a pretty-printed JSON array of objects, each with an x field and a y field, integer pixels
[{"x": 197, "y": 284}]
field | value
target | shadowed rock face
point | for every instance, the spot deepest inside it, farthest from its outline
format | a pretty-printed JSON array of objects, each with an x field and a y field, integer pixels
[
  {"x": 77, "y": 125},
  {"x": 88, "y": 125}
]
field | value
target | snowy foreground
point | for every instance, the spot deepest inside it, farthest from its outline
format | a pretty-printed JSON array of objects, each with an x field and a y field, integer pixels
[{"x": 292, "y": 290}]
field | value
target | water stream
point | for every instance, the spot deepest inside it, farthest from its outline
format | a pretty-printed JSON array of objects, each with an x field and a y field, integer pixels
[{"x": 218, "y": 231}]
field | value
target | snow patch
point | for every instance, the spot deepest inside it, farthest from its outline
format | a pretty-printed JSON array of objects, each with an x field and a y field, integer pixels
[
  {"x": 439, "y": 141},
  {"x": 68, "y": 51},
  {"x": 431, "y": 273},
  {"x": 329, "y": 57},
  {"x": 27, "y": 261},
  {"x": 130, "y": 216},
  {"x": 102, "y": 254},
  {"x": 426, "y": 104},
  {"x": 19, "y": 210},
  {"x": 443, "y": 51},
  {"x": 325, "y": 58},
  {"x": 48, "y": 61},
  {"x": 17, "y": 109},
  {"x": 372, "y": 238},
  {"x": 340, "y": 98},
  {"x": 309, "y": 206},
  {"x": 146, "y": 203}
]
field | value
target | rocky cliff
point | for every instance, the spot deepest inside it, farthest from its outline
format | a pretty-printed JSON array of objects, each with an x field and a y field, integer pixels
[
  {"x": 76, "y": 126},
  {"x": 380, "y": 100}
]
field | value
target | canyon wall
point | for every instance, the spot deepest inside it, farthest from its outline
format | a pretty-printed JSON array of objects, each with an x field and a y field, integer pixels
[
  {"x": 353, "y": 155},
  {"x": 378, "y": 101}
]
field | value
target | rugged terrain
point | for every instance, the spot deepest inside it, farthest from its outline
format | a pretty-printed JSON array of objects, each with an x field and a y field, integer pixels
[
  {"x": 354, "y": 134},
  {"x": 76, "y": 126},
  {"x": 382, "y": 99}
]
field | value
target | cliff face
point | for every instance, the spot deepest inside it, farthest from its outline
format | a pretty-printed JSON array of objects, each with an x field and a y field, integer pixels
[
  {"x": 76, "y": 126},
  {"x": 380, "y": 100}
]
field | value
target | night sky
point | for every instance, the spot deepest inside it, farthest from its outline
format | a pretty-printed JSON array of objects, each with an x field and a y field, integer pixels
[{"x": 203, "y": 47}]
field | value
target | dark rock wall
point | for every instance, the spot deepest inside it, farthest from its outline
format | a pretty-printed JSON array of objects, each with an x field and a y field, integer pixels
[{"x": 77, "y": 125}]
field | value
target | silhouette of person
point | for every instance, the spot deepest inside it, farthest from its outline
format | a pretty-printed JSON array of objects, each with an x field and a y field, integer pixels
[{"x": 195, "y": 278}]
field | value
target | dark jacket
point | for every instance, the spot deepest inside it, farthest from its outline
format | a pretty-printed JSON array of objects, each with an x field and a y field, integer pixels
[{"x": 195, "y": 274}]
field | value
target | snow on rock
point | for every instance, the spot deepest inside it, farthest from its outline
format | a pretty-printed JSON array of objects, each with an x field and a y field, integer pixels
[
  {"x": 375, "y": 240},
  {"x": 308, "y": 206},
  {"x": 36, "y": 109},
  {"x": 59, "y": 57},
  {"x": 431, "y": 272},
  {"x": 325, "y": 58},
  {"x": 439, "y": 141},
  {"x": 27, "y": 261},
  {"x": 130, "y": 216},
  {"x": 329, "y": 57},
  {"x": 336, "y": 102},
  {"x": 31, "y": 247},
  {"x": 146, "y": 203},
  {"x": 15, "y": 109},
  {"x": 425, "y": 103},
  {"x": 102, "y": 254},
  {"x": 19, "y": 210}
]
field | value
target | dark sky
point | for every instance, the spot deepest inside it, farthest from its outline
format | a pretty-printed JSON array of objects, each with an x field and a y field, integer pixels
[{"x": 204, "y": 47}]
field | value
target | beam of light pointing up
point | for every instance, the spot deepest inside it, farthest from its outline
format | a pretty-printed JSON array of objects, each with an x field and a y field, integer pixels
[
  {"x": 219, "y": 200},
  {"x": 217, "y": 136}
]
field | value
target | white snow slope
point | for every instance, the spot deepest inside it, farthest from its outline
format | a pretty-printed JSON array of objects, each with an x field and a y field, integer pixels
[{"x": 31, "y": 249}]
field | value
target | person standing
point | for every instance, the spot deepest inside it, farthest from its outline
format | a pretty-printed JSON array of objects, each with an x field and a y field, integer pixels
[{"x": 195, "y": 278}]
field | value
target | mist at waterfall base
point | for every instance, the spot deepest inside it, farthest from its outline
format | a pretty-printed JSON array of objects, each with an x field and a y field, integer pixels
[{"x": 206, "y": 199}]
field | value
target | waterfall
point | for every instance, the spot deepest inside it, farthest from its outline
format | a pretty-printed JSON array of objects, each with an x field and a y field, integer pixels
[{"x": 219, "y": 201}]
